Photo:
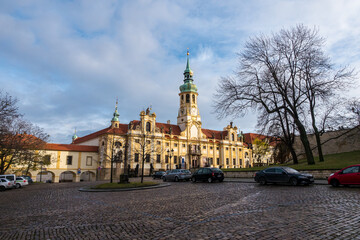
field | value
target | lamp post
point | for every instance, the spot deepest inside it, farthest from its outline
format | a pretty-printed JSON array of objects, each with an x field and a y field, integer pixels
[{"x": 170, "y": 153}]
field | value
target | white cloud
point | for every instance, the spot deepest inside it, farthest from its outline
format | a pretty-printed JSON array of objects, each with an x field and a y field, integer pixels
[{"x": 67, "y": 61}]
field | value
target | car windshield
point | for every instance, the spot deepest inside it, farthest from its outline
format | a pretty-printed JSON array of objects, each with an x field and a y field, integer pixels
[
  {"x": 185, "y": 171},
  {"x": 290, "y": 170}
]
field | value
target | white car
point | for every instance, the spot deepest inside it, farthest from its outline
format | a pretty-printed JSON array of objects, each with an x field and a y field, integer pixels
[
  {"x": 21, "y": 181},
  {"x": 5, "y": 184}
]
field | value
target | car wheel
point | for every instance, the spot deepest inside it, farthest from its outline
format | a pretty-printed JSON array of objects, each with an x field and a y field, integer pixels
[
  {"x": 193, "y": 179},
  {"x": 164, "y": 179},
  {"x": 334, "y": 183},
  {"x": 293, "y": 181},
  {"x": 2, "y": 188},
  {"x": 262, "y": 181},
  {"x": 210, "y": 180},
  {"x": 176, "y": 179},
  {"x": 18, "y": 185}
]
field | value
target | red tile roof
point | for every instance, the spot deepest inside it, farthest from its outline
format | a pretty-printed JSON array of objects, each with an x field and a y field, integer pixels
[
  {"x": 123, "y": 128},
  {"x": 70, "y": 147},
  {"x": 214, "y": 134},
  {"x": 250, "y": 137}
]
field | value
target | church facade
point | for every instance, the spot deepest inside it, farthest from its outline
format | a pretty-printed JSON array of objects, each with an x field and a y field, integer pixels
[{"x": 161, "y": 146}]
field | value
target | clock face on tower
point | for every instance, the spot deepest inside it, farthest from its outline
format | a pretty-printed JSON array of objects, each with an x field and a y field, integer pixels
[{"x": 193, "y": 111}]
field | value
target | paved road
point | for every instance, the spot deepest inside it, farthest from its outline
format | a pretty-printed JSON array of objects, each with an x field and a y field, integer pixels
[{"x": 228, "y": 210}]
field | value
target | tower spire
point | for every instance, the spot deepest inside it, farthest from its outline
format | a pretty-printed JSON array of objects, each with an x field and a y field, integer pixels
[
  {"x": 188, "y": 73},
  {"x": 116, "y": 114}
]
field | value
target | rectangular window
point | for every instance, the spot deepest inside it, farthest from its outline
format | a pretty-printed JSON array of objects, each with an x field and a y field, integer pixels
[
  {"x": 227, "y": 161},
  {"x": 147, "y": 158},
  {"x": 218, "y": 161},
  {"x": 158, "y": 157},
  {"x": 175, "y": 144},
  {"x": 175, "y": 159},
  {"x": 211, "y": 148},
  {"x": 136, "y": 157},
  {"x": 240, "y": 161},
  {"x": 69, "y": 160},
  {"x": 204, "y": 147},
  {"x": 167, "y": 144},
  {"x": 88, "y": 161},
  {"x": 227, "y": 148},
  {"x": 217, "y": 148},
  {"x": 137, "y": 140},
  {"x": 210, "y": 161},
  {"x": 166, "y": 159},
  {"x": 233, "y": 149},
  {"x": 234, "y": 161},
  {"x": 184, "y": 145},
  {"x": 147, "y": 141},
  {"x": 47, "y": 159},
  {"x": 158, "y": 142}
]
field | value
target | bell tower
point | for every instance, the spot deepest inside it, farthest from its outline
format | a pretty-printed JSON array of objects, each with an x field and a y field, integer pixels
[{"x": 188, "y": 112}]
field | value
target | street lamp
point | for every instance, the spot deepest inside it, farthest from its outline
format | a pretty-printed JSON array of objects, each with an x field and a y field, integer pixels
[{"x": 170, "y": 153}]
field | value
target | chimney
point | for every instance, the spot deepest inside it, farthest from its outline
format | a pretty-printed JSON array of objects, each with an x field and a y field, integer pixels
[
  {"x": 231, "y": 124},
  {"x": 168, "y": 121}
]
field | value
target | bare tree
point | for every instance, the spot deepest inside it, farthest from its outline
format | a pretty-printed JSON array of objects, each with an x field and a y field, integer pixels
[
  {"x": 272, "y": 77},
  {"x": 19, "y": 147},
  {"x": 145, "y": 147}
]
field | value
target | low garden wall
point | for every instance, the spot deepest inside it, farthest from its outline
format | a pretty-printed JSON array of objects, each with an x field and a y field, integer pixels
[{"x": 318, "y": 174}]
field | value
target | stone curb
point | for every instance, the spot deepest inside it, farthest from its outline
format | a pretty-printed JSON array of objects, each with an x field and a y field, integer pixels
[{"x": 88, "y": 189}]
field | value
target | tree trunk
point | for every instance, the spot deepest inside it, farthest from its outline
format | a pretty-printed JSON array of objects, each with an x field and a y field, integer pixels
[
  {"x": 142, "y": 170},
  {"x": 317, "y": 136},
  {"x": 305, "y": 142},
  {"x": 293, "y": 154}
]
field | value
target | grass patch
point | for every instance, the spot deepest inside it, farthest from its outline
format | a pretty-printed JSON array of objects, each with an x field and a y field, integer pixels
[
  {"x": 332, "y": 162},
  {"x": 124, "y": 185}
]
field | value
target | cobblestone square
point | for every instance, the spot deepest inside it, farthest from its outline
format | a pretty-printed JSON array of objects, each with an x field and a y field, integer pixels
[{"x": 228, "y": 210}]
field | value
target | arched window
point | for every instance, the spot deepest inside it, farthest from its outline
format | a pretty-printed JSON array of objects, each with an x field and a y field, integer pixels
[
  {"x": 187, "y": 98},
  {"x": 148, "y": 127},
  {"x": 182, "y": 98},
  {"x": 193, "y": 97},
  {"x": 232, "y": 137},
  {"x": 117, "y": 144}
]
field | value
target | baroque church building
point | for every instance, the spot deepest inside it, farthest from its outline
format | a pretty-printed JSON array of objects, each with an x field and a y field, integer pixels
[{"x": 161, "y": 146}]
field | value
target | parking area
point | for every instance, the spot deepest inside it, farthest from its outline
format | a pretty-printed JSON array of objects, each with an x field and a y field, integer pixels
[{"x": 184, "y": 210}]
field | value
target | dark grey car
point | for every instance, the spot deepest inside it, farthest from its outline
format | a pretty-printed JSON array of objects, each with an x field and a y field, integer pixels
[
  {"x": 283, "y": 175},
  {"x": 177, "y": 175}
]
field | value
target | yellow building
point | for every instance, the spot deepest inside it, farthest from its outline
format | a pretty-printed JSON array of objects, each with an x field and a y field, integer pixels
[{"x": 161, "y": 145}]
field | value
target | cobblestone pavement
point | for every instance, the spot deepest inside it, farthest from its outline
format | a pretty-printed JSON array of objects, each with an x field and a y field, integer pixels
[{"x": 228, "y": 210}]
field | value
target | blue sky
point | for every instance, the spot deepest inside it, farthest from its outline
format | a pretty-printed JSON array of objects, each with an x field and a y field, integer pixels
[{"x": 68, "y": 61}]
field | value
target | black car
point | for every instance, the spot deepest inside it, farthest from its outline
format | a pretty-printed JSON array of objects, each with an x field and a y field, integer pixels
[
  {"x": 207, "y": 174},
  {"x": 158, "y": 174},
  {"x": 283, "y": 175}
]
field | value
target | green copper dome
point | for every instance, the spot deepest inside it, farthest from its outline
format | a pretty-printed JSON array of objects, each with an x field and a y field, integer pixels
[{"x": 188, "y": 85}]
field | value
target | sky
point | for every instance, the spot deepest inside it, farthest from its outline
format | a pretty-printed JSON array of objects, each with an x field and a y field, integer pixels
[{"x": 68, "y": 61}]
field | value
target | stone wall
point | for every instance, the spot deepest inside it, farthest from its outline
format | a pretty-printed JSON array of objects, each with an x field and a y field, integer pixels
[
  {"x": 318, "y": 174},
  {"x": 333, "y": 142}
]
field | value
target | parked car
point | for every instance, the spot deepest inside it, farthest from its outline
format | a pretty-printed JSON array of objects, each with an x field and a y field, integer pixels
[
  {"x": 21, "y": 181},
  {"x": 208, "y": 174},
  {"x": 346, "y": 176},
  {"x": 283, "y": 175},
  {"x": 5, "y": 184},
  {"x": 10, "y": 177},
  {"x": 158, "y": 174},
  {"x": 28, "y": 178},
  {"x": 177, "y": 175}
]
